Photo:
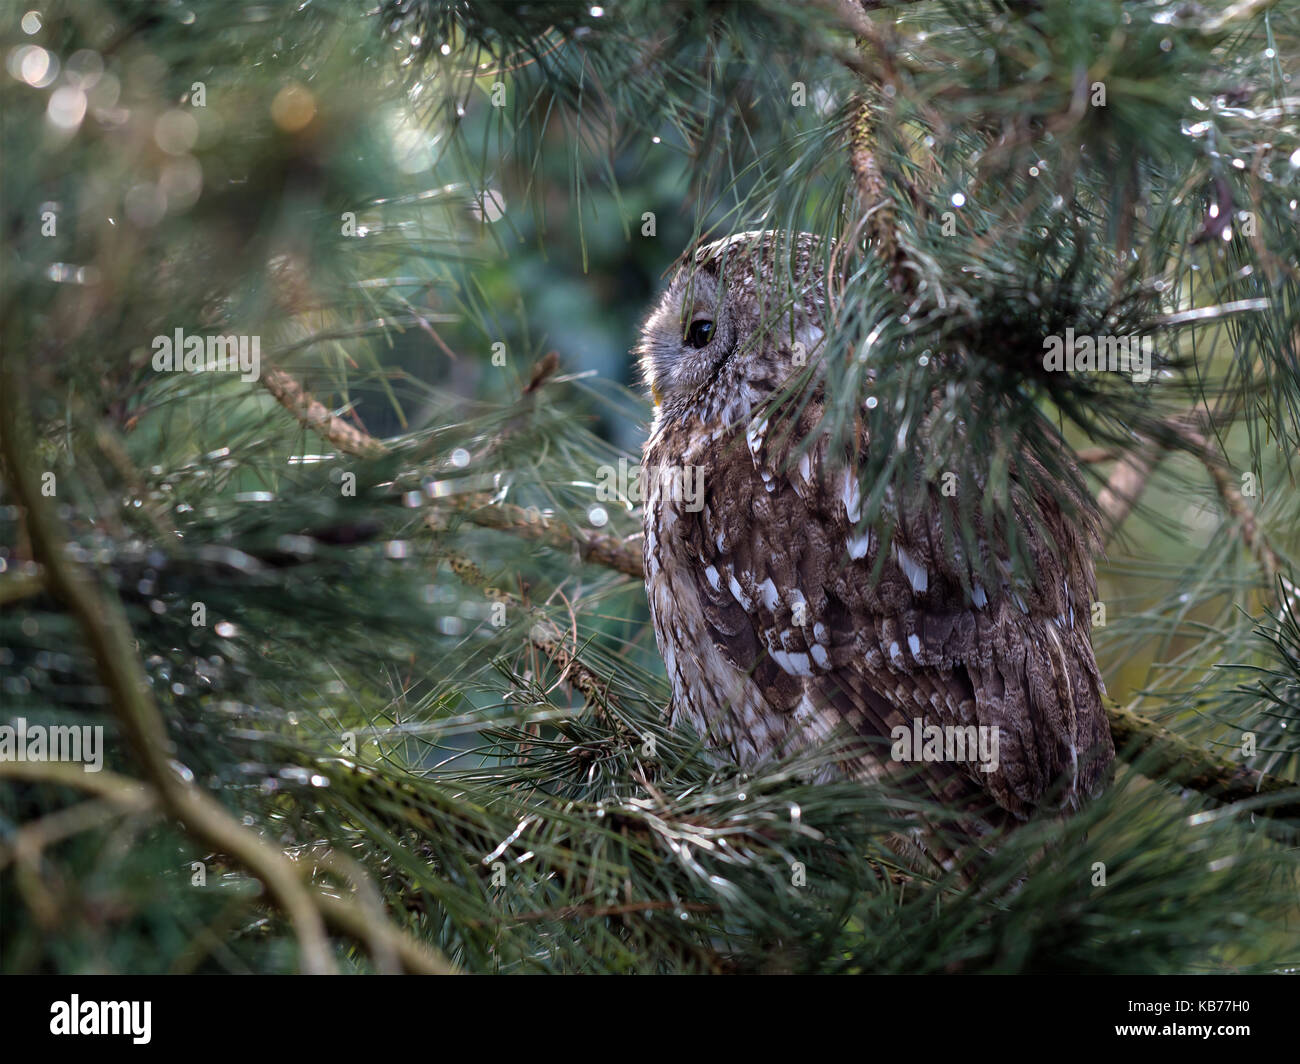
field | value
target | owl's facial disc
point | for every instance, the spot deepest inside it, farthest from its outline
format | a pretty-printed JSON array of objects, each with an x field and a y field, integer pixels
[{"x": 687, "y": 337}]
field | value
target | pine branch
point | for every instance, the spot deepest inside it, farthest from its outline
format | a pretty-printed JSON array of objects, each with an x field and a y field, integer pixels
[
  {"x": 1175, "y": 760},
  {"x": 107, "y": 635},
  {"x": 290, "y": 394},
  {"x": 599, "y": 548},
  {"x": 605, "y": 550},
  {"x": 1126, "y": 483},
  {"x": 135, "y": 798},
  {"x": 877, "y": 217},
  {"x": 20, "y": 585},
  {"x": 1242, "y": 11},
  {"x": 1201, "y": 446},
  {"x": 1129, "y": 478},
  {"x": 545, "y": 635}
]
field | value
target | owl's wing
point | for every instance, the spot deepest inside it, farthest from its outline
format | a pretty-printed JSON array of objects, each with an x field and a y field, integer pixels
[{"x": 785, "y": 578}]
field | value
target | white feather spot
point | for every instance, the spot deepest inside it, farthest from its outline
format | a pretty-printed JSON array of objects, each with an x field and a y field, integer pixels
[
  {"x": 715, "y": 581},
  {"x": 805, "y": 467},
  {"x": 979, "y": 596},
  {"x": 767, "y": 590},
  {"x": 754, "y": 437},
  {"x": 914, "y": 645},
  {"x": 819, "y": 632},
  {"x": 915, "y": 573},
  {"x": 859, "y": 545},
  {"x": 895, "y": 654},
  {"x": 820, "y": 656},
  {"x": 851, "y": 496},
  {"x": 795, "y": 664}
]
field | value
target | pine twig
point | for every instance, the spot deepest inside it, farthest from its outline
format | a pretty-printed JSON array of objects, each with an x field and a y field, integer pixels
[
  {"x": 1239, "y": 12},
  {"x": 602, "y": 549},
  {"x": 1233, "y": 500},
  {"x": 25, "y": 846},
  {"x": 291, "y": 395},
  {"x": 611, "y": 552},
  {"x": 1175, "y": 760},
  {"x": 1127, "y": 481},
  {"x": 877, "y": 216},
  {"x": 545, "y": 635}
]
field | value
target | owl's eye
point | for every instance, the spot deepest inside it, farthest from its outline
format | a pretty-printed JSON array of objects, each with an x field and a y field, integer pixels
[{"x": 700, "y": 332}]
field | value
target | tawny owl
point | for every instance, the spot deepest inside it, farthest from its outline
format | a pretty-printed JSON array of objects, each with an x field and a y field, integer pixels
[{"x": 776, "y": 632}]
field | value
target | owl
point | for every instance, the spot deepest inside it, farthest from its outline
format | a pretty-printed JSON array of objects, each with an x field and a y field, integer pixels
[{"x": 781, "y": 626}]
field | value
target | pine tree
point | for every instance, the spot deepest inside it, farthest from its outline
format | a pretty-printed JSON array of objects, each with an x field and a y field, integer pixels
[{"x": 361, "y": 616}]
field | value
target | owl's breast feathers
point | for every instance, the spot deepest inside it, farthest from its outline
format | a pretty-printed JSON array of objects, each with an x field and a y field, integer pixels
[{"x": 776, "y": 633}]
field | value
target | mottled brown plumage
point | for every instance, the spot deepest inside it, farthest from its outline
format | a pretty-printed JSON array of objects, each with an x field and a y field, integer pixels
[{"x": 773, "y": 631}]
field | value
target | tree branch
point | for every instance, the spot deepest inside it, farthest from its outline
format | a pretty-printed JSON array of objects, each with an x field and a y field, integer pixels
[
  {"x": 545, "y": 635},
  {"x": 599, "y": 548},
  {"x": 301, "y": 404},
  {"x": 20, "y": 584},
  {"x": 1241, "y": 11},
  {"x": 107, "y": 634},
  {"x": 876, "y": 213},
  {"x": 1175, "y": 760},
  {"x": 131, "y": 796},
  {"x": 1127, "y": 481}
]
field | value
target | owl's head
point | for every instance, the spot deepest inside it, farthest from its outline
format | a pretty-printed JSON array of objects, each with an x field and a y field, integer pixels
[{"x": 740, "y": 316}]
